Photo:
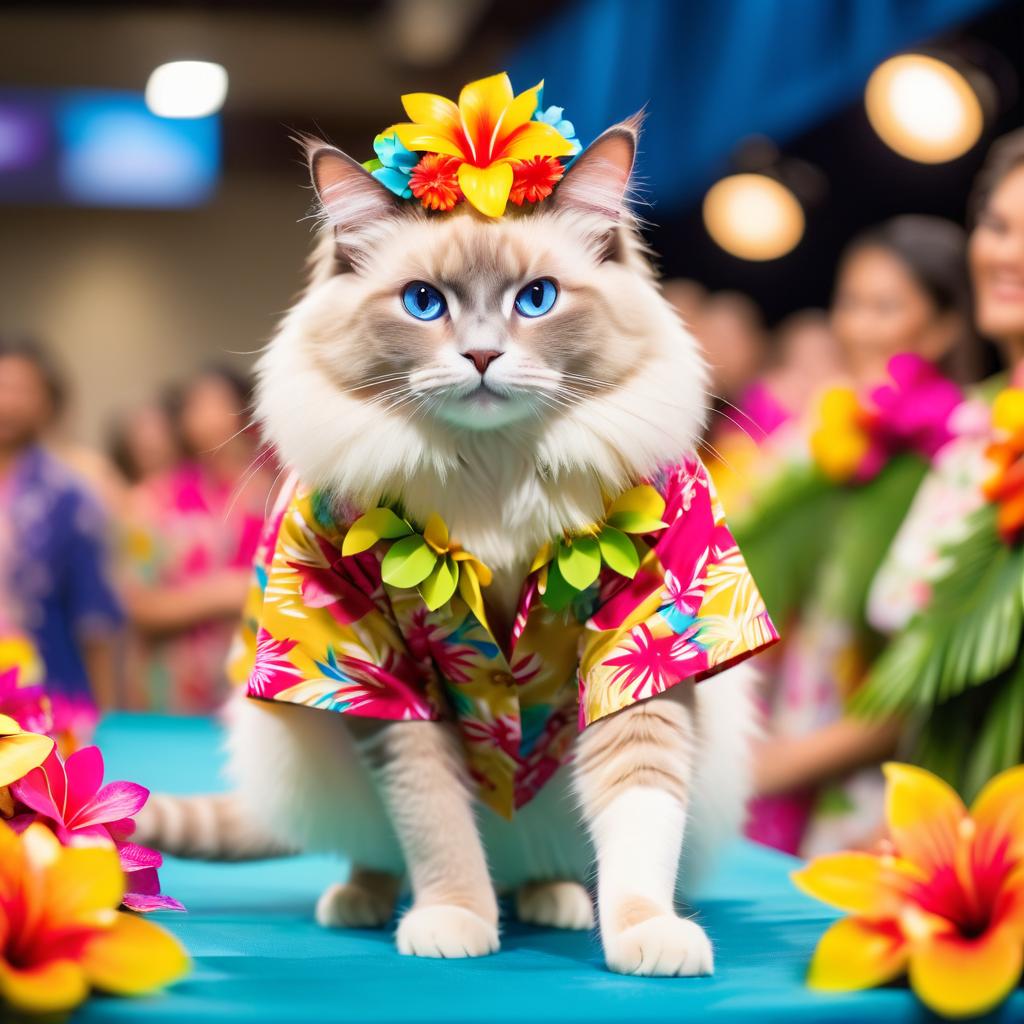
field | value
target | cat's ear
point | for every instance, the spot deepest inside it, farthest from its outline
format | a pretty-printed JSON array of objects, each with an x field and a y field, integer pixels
[
  {"x": 350, "y": 197},
  {"x": 598, "y": 180}
]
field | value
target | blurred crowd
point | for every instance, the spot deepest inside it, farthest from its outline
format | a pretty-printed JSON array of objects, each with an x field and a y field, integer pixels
[{"x": 127, "y": 569}]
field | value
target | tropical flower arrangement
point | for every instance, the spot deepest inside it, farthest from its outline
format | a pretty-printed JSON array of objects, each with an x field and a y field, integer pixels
[
  {"x": 841, "y": 507},
  {"x": 1005, "y": 486},
  {"x": 855, "y": 438},
  {"x": 956, "y": 671},
  {"x": 489, "y": 149},
  {"x": 66, "y": 863},
  {"x": 942, "y": 901}
]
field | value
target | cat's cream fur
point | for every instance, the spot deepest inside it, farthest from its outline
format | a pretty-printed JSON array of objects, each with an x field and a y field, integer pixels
[{"x": 364, "y": 400}]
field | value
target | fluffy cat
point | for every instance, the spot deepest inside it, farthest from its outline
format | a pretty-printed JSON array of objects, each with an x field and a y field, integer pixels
[{"x": 513, "y": 430}]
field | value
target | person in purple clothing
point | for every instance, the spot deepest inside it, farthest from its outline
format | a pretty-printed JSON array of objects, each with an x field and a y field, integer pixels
[{"x": 54, "y": 586}]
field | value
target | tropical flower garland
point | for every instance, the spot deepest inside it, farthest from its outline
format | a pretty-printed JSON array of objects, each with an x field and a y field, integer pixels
[
  {"x": 490, "y": 148},
  {"x": 957, "y": 669},
  {"x": 942, "y": 901},
  {"x": 841, "y": 508},
  {"x": 66, "y": 863},
  {"x": 436, "y": 566}
]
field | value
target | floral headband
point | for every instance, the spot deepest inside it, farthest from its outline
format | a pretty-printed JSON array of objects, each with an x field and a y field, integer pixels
[{"x": 491, "y": 148}]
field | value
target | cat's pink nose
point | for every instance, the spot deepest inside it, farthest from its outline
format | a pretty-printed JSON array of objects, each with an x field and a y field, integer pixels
[{"x": 481, "y": 358}]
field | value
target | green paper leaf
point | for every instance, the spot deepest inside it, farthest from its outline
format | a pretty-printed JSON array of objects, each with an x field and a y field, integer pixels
[
  {"x": 408, "y": 563},
  {"x": 635, "y": 522},
  {"x": 579, "y": 561},
  {"x": 439, "y": 586},
  {"x": 619, "y": 552},
  {"x": 377, "y": 524},
  {"x": 559, "y": 594}
]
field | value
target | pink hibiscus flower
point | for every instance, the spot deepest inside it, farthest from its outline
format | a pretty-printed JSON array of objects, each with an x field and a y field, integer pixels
[
  {"x": 70, "y": 798},
  {"x": 651, "y": 664},
  {"x": 27, "y": 705}
]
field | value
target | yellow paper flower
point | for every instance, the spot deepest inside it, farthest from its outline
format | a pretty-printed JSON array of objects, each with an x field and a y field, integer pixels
[
  {"x": 488, "y": 130},
  {"x": 944, "y": 904},
  {"x": 60, "y": 931},
  {"x": 431, "y": 561}
]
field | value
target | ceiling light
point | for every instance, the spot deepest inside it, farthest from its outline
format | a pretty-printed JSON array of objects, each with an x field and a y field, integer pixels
[
  {"x": 753, "y": 216},
  {"x": 186, "y": 88}
]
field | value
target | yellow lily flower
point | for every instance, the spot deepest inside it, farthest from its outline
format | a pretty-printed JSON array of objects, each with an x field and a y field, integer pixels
[
  {"x": 488, "y": 130},
  {"x": 944, "y": 903},
  {"x": 61, "y": 933}
]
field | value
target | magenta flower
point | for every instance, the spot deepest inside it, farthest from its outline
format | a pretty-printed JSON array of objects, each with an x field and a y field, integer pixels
[
  {"x": 27, "y": 705},
  {"x": 70, "y": 798},
  {"x": 914, "y": 410}
]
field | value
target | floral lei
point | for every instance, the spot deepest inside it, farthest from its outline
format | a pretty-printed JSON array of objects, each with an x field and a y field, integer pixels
[
  {"x": 490, "y": 148},
  {"x": 1004, "y": 487},
  {"x": 436, "y": 566},
  {"x": 856, "y": 437}
]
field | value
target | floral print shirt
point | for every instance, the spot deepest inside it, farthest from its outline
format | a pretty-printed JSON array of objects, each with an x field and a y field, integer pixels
[{"x": 324, "y": 630}]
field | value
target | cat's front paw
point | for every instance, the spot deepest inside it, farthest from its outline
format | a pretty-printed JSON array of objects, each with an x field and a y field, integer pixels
[
  {"x": 351, "y": 905},
  {"x": 445, "y": 931},
  {"x": 661, "y": 946},
  {"x": 555, "y": 905}
]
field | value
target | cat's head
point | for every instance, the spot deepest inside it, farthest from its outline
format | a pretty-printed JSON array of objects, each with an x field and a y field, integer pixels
[{"x": 426, "y": 339}]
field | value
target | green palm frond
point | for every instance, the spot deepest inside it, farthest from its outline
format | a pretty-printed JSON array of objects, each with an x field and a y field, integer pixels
[
  {"x": 784, "y": 535},
  {"x": 968, "y": 635}
]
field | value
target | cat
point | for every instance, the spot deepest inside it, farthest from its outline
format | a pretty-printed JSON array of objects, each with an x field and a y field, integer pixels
[{"x": 513, "y": 430}]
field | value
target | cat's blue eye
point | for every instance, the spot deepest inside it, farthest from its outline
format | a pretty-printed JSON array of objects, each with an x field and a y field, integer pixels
[
  {"x": 537, "y": 297},
  {"x": 423, "y": 300}
]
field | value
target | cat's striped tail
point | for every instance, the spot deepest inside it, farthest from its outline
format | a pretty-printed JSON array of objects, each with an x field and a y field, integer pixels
[{"x": 211, "y": 826}]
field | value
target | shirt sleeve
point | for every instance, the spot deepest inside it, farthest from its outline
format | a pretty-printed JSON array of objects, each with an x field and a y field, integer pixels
[
  {"x": 692, "y": 609},
  {"x": 92, "y": 604},
  {"x": 325, "y": 634}
]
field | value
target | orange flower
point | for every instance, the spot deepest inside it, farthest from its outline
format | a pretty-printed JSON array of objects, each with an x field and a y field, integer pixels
[
  {"x": 535, "y": 179},
  {"x": 486, "y": 132},
  {"x": 60, "y": 932},
  {"x": 434, "y": 181},
  {"x": 1005, "y": 486},
  {"x": 945, "y": 903}
]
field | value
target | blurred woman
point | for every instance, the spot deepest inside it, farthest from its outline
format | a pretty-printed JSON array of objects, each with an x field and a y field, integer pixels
[
  {"x": 193, "y": 532},
  {"x": 951, "y": 583},
  {"x": 53, "y": 554},
  {"x": 900, "y": 310},
  {"x": 144, "y": 443}
]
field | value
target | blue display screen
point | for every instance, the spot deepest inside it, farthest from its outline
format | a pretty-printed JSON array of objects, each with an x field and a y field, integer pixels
[{"x": 101, "y": 148}]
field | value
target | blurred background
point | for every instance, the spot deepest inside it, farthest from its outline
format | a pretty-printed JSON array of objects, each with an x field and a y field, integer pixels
[
  {"x": 139, "y": 246},
  {"x": 154, "y": 227}
]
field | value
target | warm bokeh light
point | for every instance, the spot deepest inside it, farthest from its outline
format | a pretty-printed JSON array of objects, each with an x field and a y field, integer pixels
[
  {"x": 923, "y": 108},
  {"x": 187, "y": 88},
  {"x": 753, "y": 216}
]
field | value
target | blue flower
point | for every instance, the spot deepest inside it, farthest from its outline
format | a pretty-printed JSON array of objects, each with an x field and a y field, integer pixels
[
  {"x": 393, "y": 165},
  {"x": 553, "y": 116}
]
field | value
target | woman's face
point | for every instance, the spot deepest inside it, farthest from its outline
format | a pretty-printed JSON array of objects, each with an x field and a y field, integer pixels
[
  {"x": 25, "y": 405},
  {"x": 997, "y": 262},
  {"x": 211, "y": 414},
  {"x": 880, "y": 311}
]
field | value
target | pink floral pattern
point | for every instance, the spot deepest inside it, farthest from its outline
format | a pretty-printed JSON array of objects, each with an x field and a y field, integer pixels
[{"x": 324, "y": 631}]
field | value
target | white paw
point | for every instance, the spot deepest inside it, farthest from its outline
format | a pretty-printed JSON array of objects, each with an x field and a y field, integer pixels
[
  {"x": 447, "y": 932},
  {"x": 555, "y": 905},
  {"x": 663, "y": 946},
  {"x": 352, "y": 906}
]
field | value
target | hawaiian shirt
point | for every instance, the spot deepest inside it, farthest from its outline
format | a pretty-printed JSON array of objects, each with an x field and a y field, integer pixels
[
  {"x": 323, "y": 630},
  {"x": 54, "y": 580}
]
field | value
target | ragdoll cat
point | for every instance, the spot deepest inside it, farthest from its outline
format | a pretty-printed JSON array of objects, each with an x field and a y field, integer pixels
[{"x": 509, "y": 377}]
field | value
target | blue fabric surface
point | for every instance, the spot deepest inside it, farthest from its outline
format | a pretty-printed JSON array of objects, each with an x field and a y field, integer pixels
[
  {"x": 260, "y": 957},
  {"x": 711, "y": 74}
]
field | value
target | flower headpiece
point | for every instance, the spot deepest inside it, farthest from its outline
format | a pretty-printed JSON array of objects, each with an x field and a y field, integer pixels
[{"x": 490, "y": 148}]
